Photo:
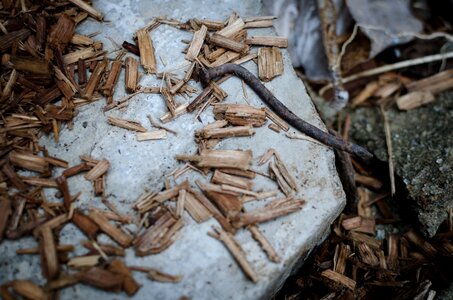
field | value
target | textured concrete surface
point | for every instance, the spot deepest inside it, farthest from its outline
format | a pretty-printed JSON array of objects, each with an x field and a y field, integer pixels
[
  {"x": 209, "y": 270},
  {"x": 422, "y": 143}
]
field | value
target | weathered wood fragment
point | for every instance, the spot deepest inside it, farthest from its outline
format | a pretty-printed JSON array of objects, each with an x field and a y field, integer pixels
[
  {"x": 98, "y": 170},
  {"x": 236, "y": 250},
  {"x": 111, "y": 230},
  {"x": 49, "y": 259},
  {"x": 271, "y": 41},
  {"x": 339, "y": 278},
  {"x": 101, "y": 279},
  {"x": 126, "y": 124},
  {"x": 228, "y": 43},
  {"x": 131, "y": 79},
  {"x": 264, "y": 243},
  {"x": 87, "y": 8},
  {"x": 95, "y": 77},
  {"x": 270, "y": 63},
  {"x": 147, "y": 56},
  {"x": 196, "y": 43}
]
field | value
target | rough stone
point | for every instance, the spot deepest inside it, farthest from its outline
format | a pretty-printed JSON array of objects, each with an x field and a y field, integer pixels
[
  {"x": 422, "y": 142},
  {"x": 209, "y": 271}
]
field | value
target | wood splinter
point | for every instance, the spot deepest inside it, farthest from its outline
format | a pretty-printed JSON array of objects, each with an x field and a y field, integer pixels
[{"x": 236, "y": 250}]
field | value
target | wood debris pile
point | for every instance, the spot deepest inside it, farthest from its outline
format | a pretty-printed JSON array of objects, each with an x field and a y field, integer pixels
[
  {"x": 353, "y": 264},
  {"x": 48, "y": 71}
]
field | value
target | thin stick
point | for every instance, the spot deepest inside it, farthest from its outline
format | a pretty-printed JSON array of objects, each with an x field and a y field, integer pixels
[
  {"x": 157, "y": 125},
  {"x": 392, "y": 67},
  {"x": 388, "y": 141}
]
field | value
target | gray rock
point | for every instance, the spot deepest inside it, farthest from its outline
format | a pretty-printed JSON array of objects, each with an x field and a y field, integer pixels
[
  {"x": 209, "y": 270},
  {"x": 423, "y": 153}
]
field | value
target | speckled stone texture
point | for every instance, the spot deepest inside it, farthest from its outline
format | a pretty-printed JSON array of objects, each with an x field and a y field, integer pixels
[
  {"x": 209, "y": 271},
  {"x": 422, "y": 143}
]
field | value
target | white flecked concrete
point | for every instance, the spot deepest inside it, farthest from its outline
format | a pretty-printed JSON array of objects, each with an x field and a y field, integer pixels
[{"x": 209, "y": 270}]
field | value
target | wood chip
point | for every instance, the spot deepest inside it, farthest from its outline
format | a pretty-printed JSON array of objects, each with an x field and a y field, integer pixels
[
  {"x": 196, "y": 43},
  {"x": 152, "y": 135},
  {"x": 414, "y": 99},
  {"x": 232, "y": 29},
  {"x": 271, "y": 41},
  {"x": 88, "y": 8},
  {"x": 365, "y": 225},
  {"x": 5, "y": 212},
  {"x": 126, "y": 124},
  {"x": 221, "y": 159},
  {"x": 339, "y": 278},
  {"x": 84, "y": 261},
  {"x": 240, "y": 114},
  {"x": 264, "y": 243},
  {"x": 111, "y": 230},
  {"x": 101, "y": 279},
  {"x": 147, "y": 56},
  {"x": 224, "y": 178},
  {"x": 98, "y": 170},
  {"x": 29, "y": 161},
  {"x": 49, "y": 259},
  {"x": 236, "y": 250},
  {"x": 270, "y": 63},
  {"x": 95, "y": 77},
  {"x": 266, "y": 214},
  {"x": 130, "y": 286},
  {"x": 228, "y": 43},
  {"x": 28, "y": 289},
  {"x": 196, "y": 210},
  {"x": 131, "y": 78}
]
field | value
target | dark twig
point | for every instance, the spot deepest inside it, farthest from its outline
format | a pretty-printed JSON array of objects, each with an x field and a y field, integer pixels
[
  {"x": 206, "y": 75},
  {"x": 131, "y": 48}
]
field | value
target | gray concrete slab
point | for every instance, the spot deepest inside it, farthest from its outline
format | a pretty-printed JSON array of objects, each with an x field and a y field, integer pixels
[{"x": 209, "y": 270}]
